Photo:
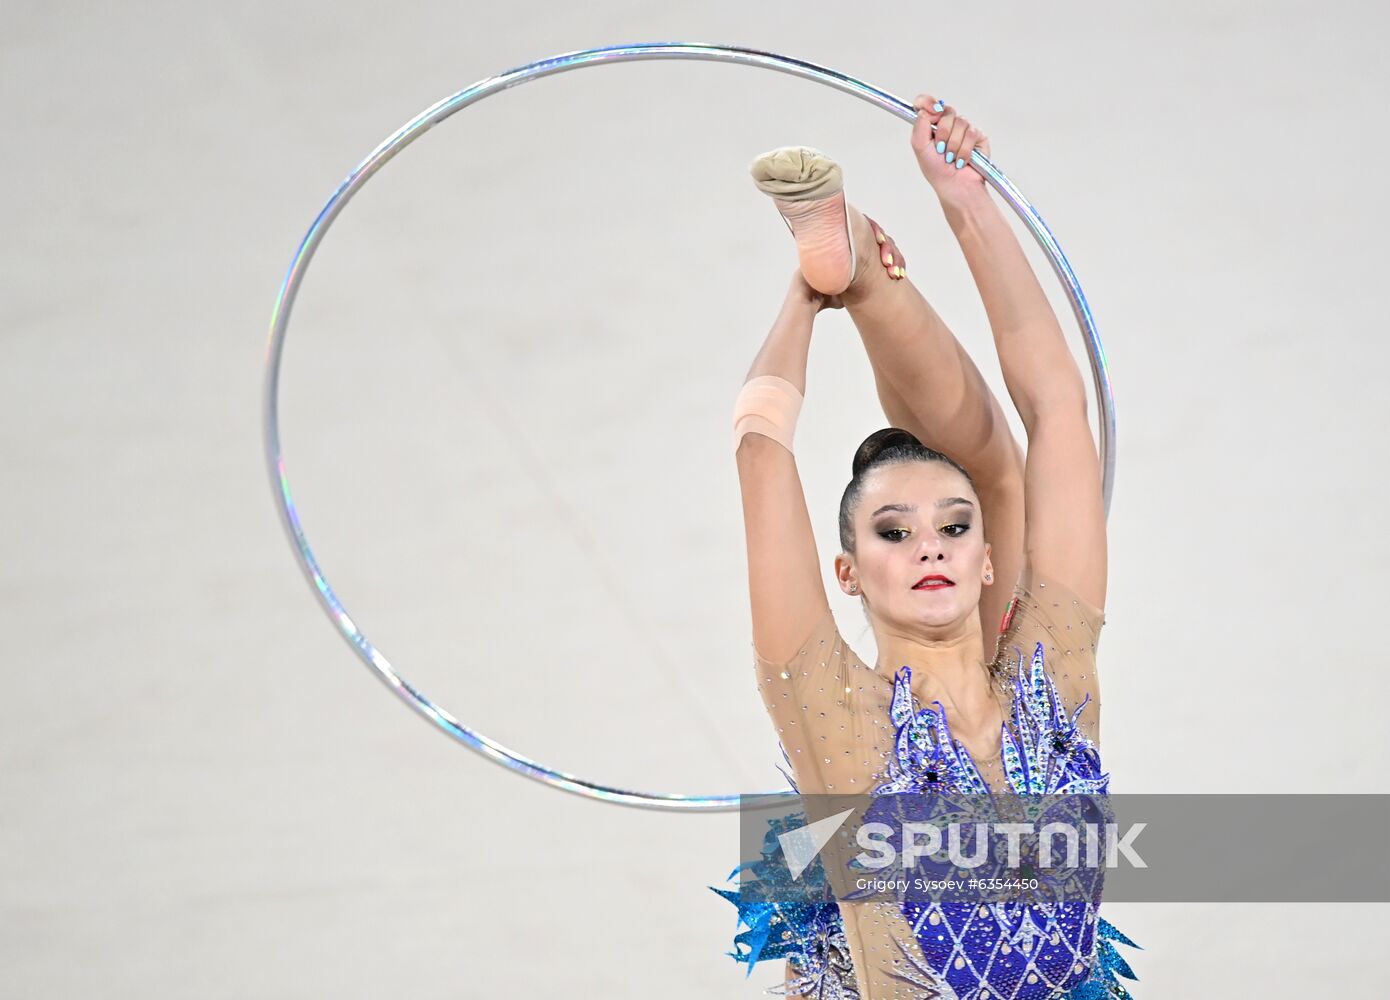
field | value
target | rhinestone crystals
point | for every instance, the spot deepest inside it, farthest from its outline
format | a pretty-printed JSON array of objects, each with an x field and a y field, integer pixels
[{"x": 861, "y": 729}]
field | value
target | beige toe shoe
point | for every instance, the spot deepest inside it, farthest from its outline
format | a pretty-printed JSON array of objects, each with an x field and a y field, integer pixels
[{"x": 797, "y": 173}]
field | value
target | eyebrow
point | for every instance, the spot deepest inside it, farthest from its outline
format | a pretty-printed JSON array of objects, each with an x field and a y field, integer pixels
[{"x": 908, "y": 508}]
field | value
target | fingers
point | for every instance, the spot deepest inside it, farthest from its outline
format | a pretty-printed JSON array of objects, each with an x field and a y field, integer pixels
[
  {"x": 959, "y": 128},
  {"x": 929, "y": 104},
  {"x": 945, "y": 142},
  {"x": 951, "y": 131},
  {"x": 940, "y": 129},
  {"x": 971, "y": 139},
  {"x": 888, "y": 253},
  {"x": 929, "y": 111},
  {"x": 944, "y": 125},
  {"x": 897, "y": 260}
]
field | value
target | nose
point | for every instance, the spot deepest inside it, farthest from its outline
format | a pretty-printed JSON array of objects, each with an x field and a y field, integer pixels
[{"x": 932, "y": 549}]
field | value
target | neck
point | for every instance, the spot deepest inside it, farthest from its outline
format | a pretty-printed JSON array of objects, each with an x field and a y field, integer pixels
[{"x": 948, "y": 667}]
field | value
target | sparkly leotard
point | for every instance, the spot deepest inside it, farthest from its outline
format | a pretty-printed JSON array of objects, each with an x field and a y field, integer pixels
[{"x": 848, "y": 728}]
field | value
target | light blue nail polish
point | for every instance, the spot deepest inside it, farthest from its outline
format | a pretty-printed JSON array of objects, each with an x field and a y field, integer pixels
[
  {"x": 950, "y": 157},
  {"x": 959, "y": 164},
  {"x": 938, "y": 107},
  {"x": 941, "y": 146}
]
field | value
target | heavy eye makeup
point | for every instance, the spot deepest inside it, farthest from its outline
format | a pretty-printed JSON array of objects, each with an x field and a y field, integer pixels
[{"x": 953, "y": 529}]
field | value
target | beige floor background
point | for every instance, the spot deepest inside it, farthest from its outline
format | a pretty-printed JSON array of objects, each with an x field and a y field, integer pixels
[{"x": 505, "y": 418}]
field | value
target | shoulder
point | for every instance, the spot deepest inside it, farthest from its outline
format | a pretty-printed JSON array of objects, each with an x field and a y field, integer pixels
[
  {"x": 1050, "y": 631},
  {"x": 822, "y": 651},
  {"x": 1043, "y": 606}
]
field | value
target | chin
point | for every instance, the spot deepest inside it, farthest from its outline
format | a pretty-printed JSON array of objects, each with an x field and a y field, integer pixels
[
  {"x": 939, "y": 614},
  {"x": 944, "y": 610}
]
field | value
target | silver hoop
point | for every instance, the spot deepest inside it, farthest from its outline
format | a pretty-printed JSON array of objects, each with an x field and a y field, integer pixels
[{"x": 416, "y": 127}]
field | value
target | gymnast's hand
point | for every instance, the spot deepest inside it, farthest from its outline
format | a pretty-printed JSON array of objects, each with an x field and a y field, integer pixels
[
  {"x": 802, "y": 291},
  {"x": 944, "y": 156}
]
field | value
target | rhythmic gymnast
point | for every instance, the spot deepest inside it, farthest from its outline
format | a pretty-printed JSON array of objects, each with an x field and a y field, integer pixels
[{"x": 981, "y": 570}]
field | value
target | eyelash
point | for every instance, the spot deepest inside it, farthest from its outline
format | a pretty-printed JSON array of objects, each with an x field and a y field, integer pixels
[{"x": 963, "y": 529}]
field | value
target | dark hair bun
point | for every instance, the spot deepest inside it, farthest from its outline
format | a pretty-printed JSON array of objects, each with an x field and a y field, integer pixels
[{"x": 881, "y": 441}]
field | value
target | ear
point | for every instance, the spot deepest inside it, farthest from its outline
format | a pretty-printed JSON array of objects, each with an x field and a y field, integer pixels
[
  {"x": 989, "y": 566},
  {"x": 844, "y": 573}
]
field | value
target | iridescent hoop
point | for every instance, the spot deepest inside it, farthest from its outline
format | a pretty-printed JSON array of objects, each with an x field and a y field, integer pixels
[{"x": 432, "y": 116}]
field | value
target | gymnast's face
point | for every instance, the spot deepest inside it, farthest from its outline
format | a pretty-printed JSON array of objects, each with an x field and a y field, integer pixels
[{"x": 914, "y": 520}]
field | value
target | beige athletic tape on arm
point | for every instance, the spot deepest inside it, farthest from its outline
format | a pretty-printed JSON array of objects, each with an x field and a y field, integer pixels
[{"x": 768, "y": 404}]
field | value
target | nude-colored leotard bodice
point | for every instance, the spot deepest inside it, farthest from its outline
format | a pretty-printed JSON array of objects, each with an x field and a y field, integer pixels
[{"x": 833, "y": 715}]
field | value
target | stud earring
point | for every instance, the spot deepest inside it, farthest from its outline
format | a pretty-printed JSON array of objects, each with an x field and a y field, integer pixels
[{"x": 853, "y": 588}]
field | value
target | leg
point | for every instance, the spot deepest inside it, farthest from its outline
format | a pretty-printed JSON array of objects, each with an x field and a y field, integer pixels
[
  {"x": 929, "y": 385},
  {"x": 926, "y": 381}
]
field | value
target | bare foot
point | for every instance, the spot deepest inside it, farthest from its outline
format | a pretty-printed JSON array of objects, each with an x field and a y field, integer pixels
[
  {"x": 822, "y": 245},
  {"x": 807, "y": 188},
  {"x": 870, "y": 243}
]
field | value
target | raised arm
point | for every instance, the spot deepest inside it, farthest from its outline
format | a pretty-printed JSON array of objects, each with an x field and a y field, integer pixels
[
  {"x": 1064, "y": 506},
  {"x": 786, "y": 592}
]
